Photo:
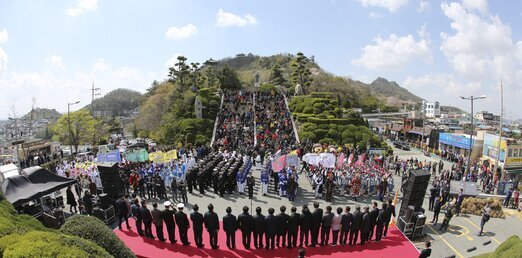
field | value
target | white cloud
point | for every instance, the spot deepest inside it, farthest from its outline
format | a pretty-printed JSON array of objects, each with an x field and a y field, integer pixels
[
  {"x": 174, "y": 59},
  {"x": 480, "y": 5},
  {"x": 394, "y": 53},
  {"x": 225, "y": 19},
  {"x": 3, "y": 61},
  {"x": 100, "y": 65},
  {"x": 184, "y": 32},
  {"x": 3, "y": 36},
  {"x": 423, "y": 6},
  {"x": 55, "y": 61},
  {"x": 423, "y": 31},
  {"x": 82, "y": 6},
  {"x": 375, "y": 15},
  {"x": 391, "y": 5}
]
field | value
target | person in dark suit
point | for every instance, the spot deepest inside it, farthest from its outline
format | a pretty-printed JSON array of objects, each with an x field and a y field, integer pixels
[
  {"x": 270, "y": 229},
  {"x": 259, "y": 228},
  {"x": 373, "y": 220},
  {"x": 305, "y": 221},
  {"x": 158, "y": 222},
  {"x": 122, "y": 210},
  {"x": 147, "y": 219},
  {"x": 293, "y": 227},
  {"x": 425, "y": 253},
  {"x": 197, "y": 226},
  {"x": 246, "y": 225},
  {"x": 390, "y": 212},
  {"x": 346, "y": 222},
  {"x": 137, "y": 216},
  {"x": 230, "y": 227},
  {"x": 87, "y": 201},
  {"x": 251, "y": 182},
  {"x": 168, "y": 217},
  {"x": 183, "y": 224},
  {"x": 317, "y": 217},
  {"x": 326, "y": 225},
  {"x": 212, "y": 225},
  {"x": 355, "y": 227},
  {"x": 282, "y": 226},
  {"x": 381, "y": 219},
  {"x": 365, "y": 227}
]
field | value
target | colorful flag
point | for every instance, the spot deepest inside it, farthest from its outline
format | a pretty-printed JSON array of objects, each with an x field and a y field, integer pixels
[{"x": 279, "y": 164}]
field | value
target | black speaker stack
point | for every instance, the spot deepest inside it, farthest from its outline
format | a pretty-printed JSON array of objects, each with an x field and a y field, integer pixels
[
  {"x": 414, "y": 192},
  {"x": 110, "y": 179}
]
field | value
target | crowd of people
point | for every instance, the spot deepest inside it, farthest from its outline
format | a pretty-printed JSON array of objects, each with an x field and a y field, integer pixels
[{"x": 308, "y": 228}]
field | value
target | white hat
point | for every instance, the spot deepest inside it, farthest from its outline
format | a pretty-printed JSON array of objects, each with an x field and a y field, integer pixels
[
  {"x": 181, "y": 206},
  {"x": 167, "y": 203}
]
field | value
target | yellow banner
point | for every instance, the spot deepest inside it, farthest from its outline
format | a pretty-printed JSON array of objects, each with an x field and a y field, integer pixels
[
  {"x": 163, "y": 157},
  {"x": 510, "y": 161}
]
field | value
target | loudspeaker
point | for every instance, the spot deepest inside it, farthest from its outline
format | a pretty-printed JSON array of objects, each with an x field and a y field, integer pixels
[
  {"x": 111, "y": 180},
  {"x": 414, "y": 190},
  {"x": 105, "y": 201},
  {"x": 419, "y": 219},
  {"x": 409, "y": 213}
]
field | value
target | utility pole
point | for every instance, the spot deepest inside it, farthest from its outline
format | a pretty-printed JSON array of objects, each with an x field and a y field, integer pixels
[
  {"x": 94, "y": 94},
  {"x": 500, "y": 127},
  {"x": 471, "y": 133}
]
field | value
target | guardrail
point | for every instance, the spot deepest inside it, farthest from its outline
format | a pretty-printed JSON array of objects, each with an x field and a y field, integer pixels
[{"x": 216, "y": 122}]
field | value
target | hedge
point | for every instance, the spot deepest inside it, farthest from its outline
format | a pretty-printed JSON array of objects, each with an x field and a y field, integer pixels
[
  {"x": 92, "y": 228},
  {"x": 512, "y": 247},
  {"x": 48, "y": 244},
  {"x": 12, "y": 223}
]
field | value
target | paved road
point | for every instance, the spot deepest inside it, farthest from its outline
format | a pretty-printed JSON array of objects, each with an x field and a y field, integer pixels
[{"x": 463, "y": 230}]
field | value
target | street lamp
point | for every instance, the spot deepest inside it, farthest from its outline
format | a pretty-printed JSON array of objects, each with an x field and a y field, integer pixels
[
  {"x": 471, "y": 98},
  {"x": 69, "y": 123}
]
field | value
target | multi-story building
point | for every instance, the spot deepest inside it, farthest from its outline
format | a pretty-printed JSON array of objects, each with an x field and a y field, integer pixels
[
  {"x": 431, "y": 109},
  {"x": 487, "y": 118}
]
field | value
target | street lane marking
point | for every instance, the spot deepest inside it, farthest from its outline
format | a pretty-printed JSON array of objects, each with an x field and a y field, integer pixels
[
  {"x": 486, "y": 233},
  {"x": 465, "y": 233},
  {"x": 446, "y": 242}
]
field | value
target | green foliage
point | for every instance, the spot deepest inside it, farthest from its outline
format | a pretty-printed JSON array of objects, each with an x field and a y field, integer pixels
[
  {"x": 93, "y": 229},
  {"x": 267, "y": 87},
  {"x": 84, "y": 129},
  {"x": 301, "y": 72},
  {"x": 119, "y": 102},
  {"x": 48, "y": 244},
  {"x": 512, "y": 247},
  {"x": 277, "y": 76},
  {"x": 229, "y": 79},
  {"x": 180, "y": 73}
]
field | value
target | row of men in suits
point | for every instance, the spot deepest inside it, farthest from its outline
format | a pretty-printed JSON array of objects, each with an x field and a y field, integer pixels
[{"x": 281, "y": 230}]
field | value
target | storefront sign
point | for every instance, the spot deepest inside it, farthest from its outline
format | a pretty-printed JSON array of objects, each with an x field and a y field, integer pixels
[{"x": 457, "y": 140}]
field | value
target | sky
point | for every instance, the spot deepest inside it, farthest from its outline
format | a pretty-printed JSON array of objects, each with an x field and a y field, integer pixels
[{"x": 51, "y": 52}]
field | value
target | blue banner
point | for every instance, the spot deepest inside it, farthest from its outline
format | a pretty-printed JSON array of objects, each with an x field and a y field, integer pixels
[{"x": 113, "y": 156}]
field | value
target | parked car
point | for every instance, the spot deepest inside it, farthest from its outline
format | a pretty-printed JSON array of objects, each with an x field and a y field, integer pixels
[{"x": 401, "y": 145}]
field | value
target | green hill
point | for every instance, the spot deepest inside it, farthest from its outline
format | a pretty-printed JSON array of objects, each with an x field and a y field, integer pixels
[{"x": 118, "y": 102}]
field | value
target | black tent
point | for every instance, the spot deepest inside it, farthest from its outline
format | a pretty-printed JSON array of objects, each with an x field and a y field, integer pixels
[
  {"x": 18, "y": 190},
  {"x": 47, "y": 180}
]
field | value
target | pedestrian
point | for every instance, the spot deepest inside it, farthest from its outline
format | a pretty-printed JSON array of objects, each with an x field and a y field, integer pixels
[
  {"x": 301, "y": 253},
  {"x": 168, "y": 217},
  {"x": 174, "y": 189},
  {"x": 326, "y": 225},
  {"x": 212, "y": 225},
  {"x": 373, "y": 220},
  {"x": 382, "y": 218},
  {"x": 282, "y": 226},
  {"x": 87, "y": 201},
  {"x": 486, "y": 214},
  {"x": 436, "y": 210},
  {"x": 389, "y": 214},
  {"x": 197, "y": 226},
  {"x": 365, "y": 226},
  {"x": 137, "y": 216},
  {"x": 71, "y": 200},
  {"x": 147, "y": 219},
  {"x": 123, "y": 211},
  {"x": 245, "y": 224},
  {"x": 293, "y": 227},
  {"x": 508, "y": 197},
  {"x": 158, "y": 221},
  {"x": 259, "y": 228},
  {"x": 250, "y": 184},
  {"x": 336, "y": 225},
  {"x": 346, "y": 222},
  {"x": 183, "y": 224},
  {"x": 425, "y": 253},
  {"x": 356, "y": 225},
  {"x": 447, "y": 217},
  {"x": 317, "y": 217},
  {"x": 270, "y": 229},
  {"x": 230, "y": 227},
  {"x": 265, "y": 178},
  {"x": 460, "y": 198},
  {"x": 305, "y": 222},
  {"x": 182, "y": 186}
]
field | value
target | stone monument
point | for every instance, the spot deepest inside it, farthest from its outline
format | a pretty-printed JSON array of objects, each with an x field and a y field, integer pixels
[{"x": 198, "y": 107}]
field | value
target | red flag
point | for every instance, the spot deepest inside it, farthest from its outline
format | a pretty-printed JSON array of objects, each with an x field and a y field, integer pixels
[
  {"x": 279, "y": 164},
  {"x": 340, "y": 160}
]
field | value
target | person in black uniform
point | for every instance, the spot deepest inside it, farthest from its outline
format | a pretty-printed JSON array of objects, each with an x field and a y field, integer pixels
[
  {"x": 356, "y": 225},
  {"x": 222, "y": 184},
  {"x": 168, "y": 217},
  {"x": 212, "y": 225},
  {"x": 346, "y": 222},
  {"x": 190, "y": 180},
  {"x": 197, "y": 226},
  {"x": 251, "y": 182},
  {"x": 157, "y": 220},
  {"x": 246, "y": 224},
  {"x": 326, "y": 225},
  {"x": 182, "y": 186},
  {"x": 201, "y": 183},
  {"x": 259, "y": 228},
  {"x": 141, "y": 187},
  {"x": 150, "y": 187},
  {"x": 317, "y": 217},
  {"x": 373, "y": 220},
  {"x": 390, "y": 212},
  {"x": 137, "y": 216},
  {"x": 147, "y": 219},
  {"x": 293, "y": 227},
  {"x": 381, "y": 219},
  {"x": 123, "y": 211},
  {"x": 230, "y": 227},
  {"x": 183, "y": 224},
  {"x": 270, "y": 229},
  {"x": 425, "y": 253},
  {"x": 365, "y": 227},
  {"x": 174, "y": 189},
  {"x": 282, "y": 229},
  {"x": 305, "y": 221}
]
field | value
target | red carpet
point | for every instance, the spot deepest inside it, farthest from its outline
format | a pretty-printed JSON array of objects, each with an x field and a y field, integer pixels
[{"x": 395, "y": 245}]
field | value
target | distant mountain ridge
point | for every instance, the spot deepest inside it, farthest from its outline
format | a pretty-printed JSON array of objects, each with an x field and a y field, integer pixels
[
  {"x": 42, "y": 113},
  {"x": 390, "y": 89}
]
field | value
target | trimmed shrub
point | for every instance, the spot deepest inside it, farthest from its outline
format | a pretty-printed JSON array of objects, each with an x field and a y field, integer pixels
[
  {"x": 320, "y": 133},
  {"x": 267, "y": 87},
  {"x": 318, "y": 121},
  {"x": 12, "y": 223},
  {"x": 333, "y": 126},
  {"x": 323, "y": 126},
  {"x": 308, "y": 110},
  {"x": 512, "y": 247},
  {"x": 47, "y": 244},
  {"x": 327, "y": 141},
  {"x": 321, "y": 94},
  {"x": 92, "y": 228},
  {"x": 334, "y": 135},
  {"x": 320, "y": 106},
  {"x": 307, "y": 136}
]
